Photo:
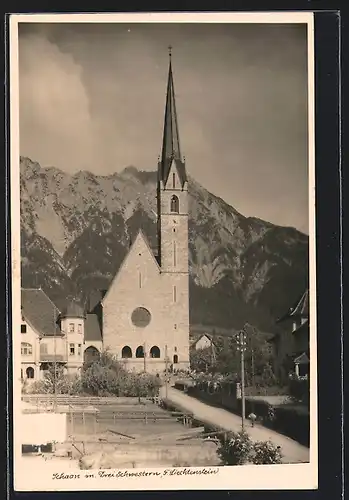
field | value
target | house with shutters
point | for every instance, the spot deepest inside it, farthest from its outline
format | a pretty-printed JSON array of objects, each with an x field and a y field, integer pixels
[
  {"x": 291, "y": 345},
  {"x": 204, "y": 341},
  {"x": 49, "y": 335}
]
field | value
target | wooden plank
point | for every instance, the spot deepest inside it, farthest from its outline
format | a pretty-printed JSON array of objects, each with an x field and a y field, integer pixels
[
  {"x": 180, "y": 433},
  {"x": 120, "y": 434}
]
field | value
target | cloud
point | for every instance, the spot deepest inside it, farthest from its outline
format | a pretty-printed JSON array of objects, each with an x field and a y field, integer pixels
[
  {"x": 92, "y": 98},
  {"x": 55, "y": 121}
]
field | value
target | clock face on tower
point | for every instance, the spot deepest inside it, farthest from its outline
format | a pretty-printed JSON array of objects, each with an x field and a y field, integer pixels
[{"x": 141, "y": 317}]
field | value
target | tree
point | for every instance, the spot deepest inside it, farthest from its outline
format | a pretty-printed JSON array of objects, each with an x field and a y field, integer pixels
[
  {"x": 201, "y": 359},
  {"x": 258, "y": 358},
  {"x": 55, "y": 381},
  {"x": 106, "y": 376}
]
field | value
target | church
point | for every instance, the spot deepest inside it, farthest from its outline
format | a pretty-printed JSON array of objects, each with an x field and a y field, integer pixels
[{"x": 143, "y": 318}]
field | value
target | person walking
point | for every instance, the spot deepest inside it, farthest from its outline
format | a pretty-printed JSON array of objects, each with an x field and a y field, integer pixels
[{"x": 252, "y": 417}]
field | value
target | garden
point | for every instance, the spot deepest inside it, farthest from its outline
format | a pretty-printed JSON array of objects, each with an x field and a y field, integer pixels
[{"x": 102, "y": 377}]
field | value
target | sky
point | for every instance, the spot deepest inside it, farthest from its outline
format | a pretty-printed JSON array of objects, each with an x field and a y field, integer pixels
[{"x": 92, "y": 97}]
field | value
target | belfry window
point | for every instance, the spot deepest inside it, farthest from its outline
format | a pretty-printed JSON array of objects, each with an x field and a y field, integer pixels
[{"x": 174, "y": 204}]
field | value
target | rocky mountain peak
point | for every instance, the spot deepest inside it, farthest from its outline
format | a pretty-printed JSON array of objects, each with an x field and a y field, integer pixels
[{"x": 76, "y": 230}]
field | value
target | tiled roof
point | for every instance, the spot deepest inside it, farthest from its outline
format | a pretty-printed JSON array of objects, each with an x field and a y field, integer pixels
[
  {"x": 301, "y": 308},
  {"x": 73, "y": 310},
  {"x": 303, "y": 359},
  {"x": 196, "y": 340},
  {"x": 93, "y": 330},
  {"x": 40, "y": 311}
]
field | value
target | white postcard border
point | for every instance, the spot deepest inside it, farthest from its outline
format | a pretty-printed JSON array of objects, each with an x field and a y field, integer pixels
[{"x": 292, "y": 476}]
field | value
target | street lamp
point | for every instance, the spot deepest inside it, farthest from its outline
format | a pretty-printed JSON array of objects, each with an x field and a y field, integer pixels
[
  {"x": 166, "y": 372},
  {"x": 241, "y": 347}
]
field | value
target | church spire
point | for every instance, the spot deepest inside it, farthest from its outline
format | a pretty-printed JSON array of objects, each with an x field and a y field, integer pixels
[{"x": 170, "y": 144}]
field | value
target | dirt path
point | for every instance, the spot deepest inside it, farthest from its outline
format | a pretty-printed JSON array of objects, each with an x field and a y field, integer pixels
[{"x": 292, "y": 451}]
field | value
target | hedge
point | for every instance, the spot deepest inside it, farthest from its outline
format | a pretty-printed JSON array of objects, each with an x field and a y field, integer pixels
[
  {"x": 291, "y": 420},
  {"x": 294, "y": 421}
]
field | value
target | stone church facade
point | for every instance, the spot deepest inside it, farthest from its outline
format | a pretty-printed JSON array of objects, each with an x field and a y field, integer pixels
[{"x": 146, "y": 309}]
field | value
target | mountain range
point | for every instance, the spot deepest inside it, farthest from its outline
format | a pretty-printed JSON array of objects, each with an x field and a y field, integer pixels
[{"x": 76, "y": 230}]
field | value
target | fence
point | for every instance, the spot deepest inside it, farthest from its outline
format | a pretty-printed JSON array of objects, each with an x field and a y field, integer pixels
[{"x": 93, "y": 416}]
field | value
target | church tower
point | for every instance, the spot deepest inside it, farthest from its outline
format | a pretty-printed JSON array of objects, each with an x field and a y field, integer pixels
[
  {"x": 172, "y": 192},
  {"x": 172, "y": 197}
]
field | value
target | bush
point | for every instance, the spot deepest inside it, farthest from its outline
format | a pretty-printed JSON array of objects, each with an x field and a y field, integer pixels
[
  {"x": 54, "y": 378},
  {"x": 299, "y": 389},
  {"x": 106, "y": 377},
  {"x": 102, "y": 377},
  {"x": 265, "y": 452},
  {"x": 236, "y": 449}
]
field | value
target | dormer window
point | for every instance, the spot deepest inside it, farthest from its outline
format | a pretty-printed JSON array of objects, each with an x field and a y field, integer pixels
[{"x": 174, "y": 204}]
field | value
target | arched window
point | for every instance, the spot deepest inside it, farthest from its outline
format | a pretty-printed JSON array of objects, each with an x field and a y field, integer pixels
[
  {"x": 175, "y": 359},
  {"x": 126, "y": 352},
  {"x": 26, "y": 349},
  {"x": 30, "y": 372},
  {"x": 140, "y": 352},
  {"x": 155, "y": 352},
  {"x": 175, "y": 204},
  {"x": 91, "y": 354}
]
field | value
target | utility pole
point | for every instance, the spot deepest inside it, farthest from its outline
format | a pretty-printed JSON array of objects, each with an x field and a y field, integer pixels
[
  {"x": 144, "y": 358},
  {"x": 242, "y": 348},
  {"x": 213, "y": 354},
  {"x": 54, "y": 363},
  {"x": 166, "y": 372},
  {"x": 252, "y": 366}
]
